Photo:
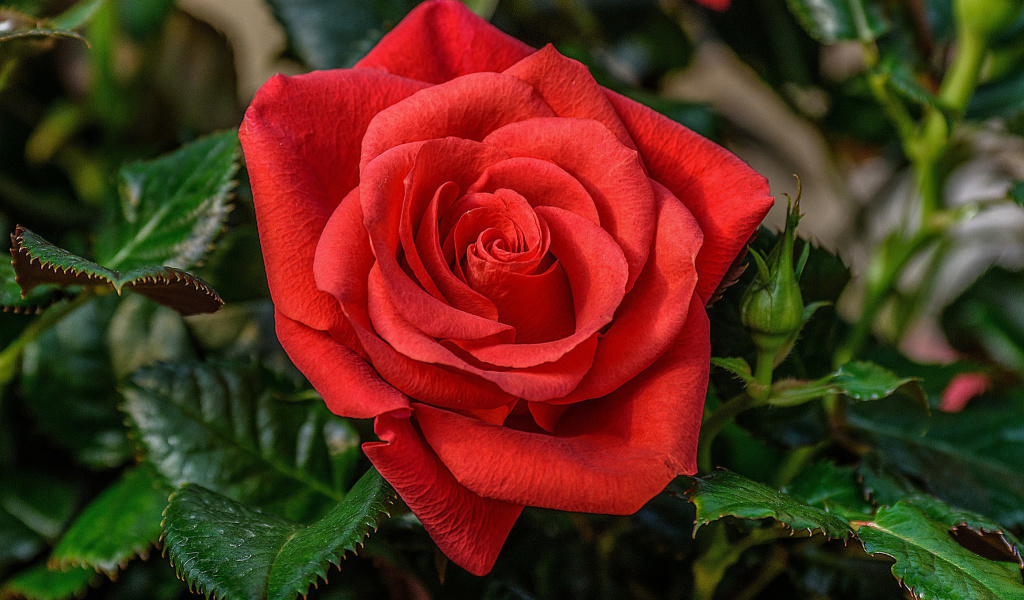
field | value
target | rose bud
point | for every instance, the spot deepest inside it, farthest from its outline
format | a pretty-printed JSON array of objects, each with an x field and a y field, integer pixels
[
  {"x": 772, "y": 307},
  {"x": 501, "y": 262}
]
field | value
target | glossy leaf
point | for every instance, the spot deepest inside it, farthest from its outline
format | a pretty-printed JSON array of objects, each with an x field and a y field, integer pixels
[
  {"x": 121, "y": 523},
  {"x": 37, "y": 262},
  {"x": 229, "y": 550},
  {"x": 725, "y": 494},
  {"x": 862, "y": 380},
  {"x": 969, "y": 459},
  {"x": 931, "y": 564},
  {"x": 224, "y": 427},
  {"x": 833, "y": 489},
  {"x": 172, "y": 207},
  {"x": 41, "y": 583},
  {"x": 830, "y": 21},
  {"x": 78, "y": 15}
]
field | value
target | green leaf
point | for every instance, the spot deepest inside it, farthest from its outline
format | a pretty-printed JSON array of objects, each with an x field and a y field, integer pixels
[
  {"x": 830, "y": 21},
  {"x": 224, "y": 427},
  {"x": 931, "y": 564},
  {"x": 229, "y": 550},
  {"x": 142, "y": 333},
  {"x": 988, "y": 319},
  {"x": 37, "y": 262},
  {"x": 34, "y": 508},
  {"x": 70, "y": 389},
  {"x": 121, "y": 523},
  {"x": 832, "y": 488},
  {"x": 723, "y": 493},
  {"x": 329, "y": 34},
  {"x": 172, "y": 207},
  {"x": 736, "y": 366},
  {"x": 969, "y": 459},
  {"x": 862, "y": 380},
  {"x": 10, "y": 293},
  {"x": 78, "y": 15},
  {"x": 40, "y": 583}
]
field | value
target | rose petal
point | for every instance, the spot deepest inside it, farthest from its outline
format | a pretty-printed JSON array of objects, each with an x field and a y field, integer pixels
[
  {"x": 469, "y": 107},
  {"x": 342, "y": 266},
  {"x": 384, "y": 192},
  {"x": 439, "y": 41},
  {"x": 541, "y": 182},
  {"x": 349, "y": 386},
  {"x": 596, "y": 270},
  {"x": 469, "y": 529},
  {"x": 650, "y": 318},
  {"x": 607, "y": 456},
  {"x": 568, "y": 87},
  {"x": 543, "y": 382},
  {"x": 301, "y": 139},
  {"x": 610, "y": 172},
  {"x": 727, "y": 197}
]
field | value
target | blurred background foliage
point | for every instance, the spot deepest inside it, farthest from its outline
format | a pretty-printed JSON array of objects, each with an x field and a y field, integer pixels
[{"x": 88, "y": 87}]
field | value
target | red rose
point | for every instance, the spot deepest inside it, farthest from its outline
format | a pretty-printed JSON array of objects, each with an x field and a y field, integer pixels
[{"x": 503, "y": 263}]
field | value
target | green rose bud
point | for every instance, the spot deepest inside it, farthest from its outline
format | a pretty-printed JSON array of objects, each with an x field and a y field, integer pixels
[{"x": 772, "y": 307}]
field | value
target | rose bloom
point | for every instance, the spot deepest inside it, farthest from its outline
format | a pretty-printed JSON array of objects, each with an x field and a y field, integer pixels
[{"x": 503, "y": 263}]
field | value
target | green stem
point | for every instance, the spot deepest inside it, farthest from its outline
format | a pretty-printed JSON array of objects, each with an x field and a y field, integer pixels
[
  {"x": 9, "y": 356},
  {"x": 720, "y": 554},
  {"x": 756, "y": 394}
]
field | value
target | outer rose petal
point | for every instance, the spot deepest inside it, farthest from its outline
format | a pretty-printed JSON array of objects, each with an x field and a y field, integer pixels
[
  {"x": 349, "y": 386},
  {"x": 606, "y": 456},
  {"x": 728, "y": 198},
  {"x": 469, "y": 529},
  {"x": 301, "y": 140},
  {"x": 439, "y": 41}
]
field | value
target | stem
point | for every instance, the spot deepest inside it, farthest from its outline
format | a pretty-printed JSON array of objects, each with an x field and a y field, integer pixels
[
  {"x": 9, "y": 356},
  {"x": 711, "y": 565}
]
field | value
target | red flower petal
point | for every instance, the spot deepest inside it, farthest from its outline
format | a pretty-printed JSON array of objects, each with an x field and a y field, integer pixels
[
  {"x": 439, "y": 41},
  {"x": 469, "y": 107},
  {"x": 469, "y": 529},
  {"x": 649, "y": 320},
  {"x": 569, "y": 88},
  {"x": 349, "y": 386},
  {"x": 609, "y": 456},
  {"x": 728, "y": 198},
  {"x": 385, "y": 193},
  {"x": 300, "y": 170},
  {"x": 610, "y": 172},
  {"x": 541, "y": 182}
]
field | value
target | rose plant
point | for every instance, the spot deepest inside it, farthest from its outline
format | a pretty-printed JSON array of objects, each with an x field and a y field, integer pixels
[{"x": 501, "y": 262}]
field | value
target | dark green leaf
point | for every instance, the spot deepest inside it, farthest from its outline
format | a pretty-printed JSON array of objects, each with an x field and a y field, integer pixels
[
  {"x": 172, "y": 207},
  {"x": 229, "y": 550},
  {"x": 862, "y": 380},
  {"x": 120, "y": 524},
  {"x": 329, "y": 34},
  {"x": 34, "y": 508},
  {"x": 988, "y": 318},
  {"x": 722, "y": 493},
  {"x": 223, "y": 427},
  {"x": 830, "y": 21},
  {"x": 970, "y": 459},
  {"x": 10, "y": 292},
  {"x": 931, "y": 564},
  {"x": 40, "y": 583},
  {"x": 70, "y": 389},
  {"x": 37, "y": 262},
  {"x": 832, "y": 488}
]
